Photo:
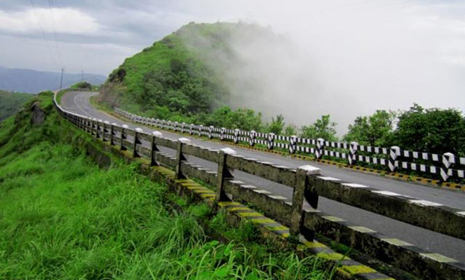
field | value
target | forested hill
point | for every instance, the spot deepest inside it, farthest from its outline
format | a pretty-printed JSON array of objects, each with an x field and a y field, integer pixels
[{"x": 184, "y": 74}]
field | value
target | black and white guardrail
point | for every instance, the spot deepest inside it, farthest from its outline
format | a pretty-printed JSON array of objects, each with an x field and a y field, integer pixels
[{"x": 446, "y": 167}]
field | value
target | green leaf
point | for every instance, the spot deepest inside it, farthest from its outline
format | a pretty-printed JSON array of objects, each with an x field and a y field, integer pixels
[
  {"x": 252, "y": 276},
  {"x": 222, "y": 272}
]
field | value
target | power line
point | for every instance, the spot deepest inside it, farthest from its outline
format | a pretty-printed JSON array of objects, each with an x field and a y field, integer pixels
[
  {"x": 50, "y": 9},
  {"x": 47, "y": 42}
]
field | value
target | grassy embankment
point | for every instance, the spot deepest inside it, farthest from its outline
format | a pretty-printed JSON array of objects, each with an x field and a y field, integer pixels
[{"x": 61, "y": 217}]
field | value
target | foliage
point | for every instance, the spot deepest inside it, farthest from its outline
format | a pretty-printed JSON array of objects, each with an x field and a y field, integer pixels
[
  {"x": 321, "y": 128},
  {"x": 431, "y": 130},
  {"x": 277, "y": 125},
  {"x": 290, "y": 130},
  {"x": 374, "y": 130},
  {"x": 11, "y": 102},
  {"x": 241, "y": 118},
  {"x": 82, "y": 85}
]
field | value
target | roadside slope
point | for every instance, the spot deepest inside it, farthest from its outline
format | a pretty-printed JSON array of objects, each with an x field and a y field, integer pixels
[{"x": 62, "y": 217}]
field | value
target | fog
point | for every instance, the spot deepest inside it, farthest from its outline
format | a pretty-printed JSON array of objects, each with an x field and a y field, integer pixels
[{"x": 347, "y": 58}]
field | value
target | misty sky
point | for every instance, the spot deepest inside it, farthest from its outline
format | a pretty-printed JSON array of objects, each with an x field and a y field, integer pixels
[{"x": 365, "y": 54}]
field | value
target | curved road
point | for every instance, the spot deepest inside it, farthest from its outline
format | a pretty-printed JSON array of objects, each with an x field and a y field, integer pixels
[{"x": 78, "y": 102}]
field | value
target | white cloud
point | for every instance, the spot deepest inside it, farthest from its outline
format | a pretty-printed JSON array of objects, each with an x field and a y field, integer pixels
[
  {"x": 40, "y": 55},
  {"x": 60, "y": 20}
]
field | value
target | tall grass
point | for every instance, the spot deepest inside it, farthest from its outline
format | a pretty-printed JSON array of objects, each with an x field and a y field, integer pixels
[{"x": 61, "y": 217}]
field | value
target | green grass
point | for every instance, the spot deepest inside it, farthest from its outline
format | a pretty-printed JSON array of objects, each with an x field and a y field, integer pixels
[{"x": 62, "y": 217}]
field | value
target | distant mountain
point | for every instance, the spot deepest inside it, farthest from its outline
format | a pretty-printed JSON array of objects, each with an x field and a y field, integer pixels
[{"x": 32, "y": 81}]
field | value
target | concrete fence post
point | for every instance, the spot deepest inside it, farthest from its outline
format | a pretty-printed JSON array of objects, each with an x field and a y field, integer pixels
[
  {"x": 191, "y": 129},
  {"x": 223, "y": 174},
  {"x": 293, "y": 144},
  {"x": 222, "y": 132},
  {"x": 86, "y": 124},
  {"x": 92, "y": 126},
  {"x": 252, "y": 136},
  {"x": 97, "y": 129},
  {"x": 112, "y": 134},
  {"x": 180, "y": 158},
  {"x": 105, "y": 130},
  {"x": 448, "y": 160},
  {"x": 394, "y": 152},
  {"x": 136, "y": 142},
  {"x": 302, "y": 192},
  {"x": 236, "y": 136},
  {"x": 353, "y": 148},
  {"x": 270, "y": 144},
  {"x": 123, "y": 137},
  {"x": 210, "y": 132},
  {"x": 320, "y": 148},
  {"x": 102, "y": 130},
  {"x": 154, "y": 148}
]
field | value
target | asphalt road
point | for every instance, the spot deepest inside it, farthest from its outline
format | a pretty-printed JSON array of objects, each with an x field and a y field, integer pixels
[{"x": 78, "y": 102}]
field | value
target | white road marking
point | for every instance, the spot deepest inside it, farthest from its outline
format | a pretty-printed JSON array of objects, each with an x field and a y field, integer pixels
[{"x": 77, "y": 105}]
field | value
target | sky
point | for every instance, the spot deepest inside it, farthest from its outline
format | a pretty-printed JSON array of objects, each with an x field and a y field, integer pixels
[{"x": 362, "y": 55}]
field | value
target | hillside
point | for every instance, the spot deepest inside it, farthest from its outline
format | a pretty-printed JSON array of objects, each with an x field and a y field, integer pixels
[
  {"x": 11, "y": 103},
  {"x": 32, "y": 81},
  {"x": 193, "y": 71}
]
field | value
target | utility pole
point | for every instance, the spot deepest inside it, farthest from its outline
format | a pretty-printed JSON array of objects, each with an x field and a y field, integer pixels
[
  {"x": 82, "y": 75},
  {"x": 61, "y": 79}
]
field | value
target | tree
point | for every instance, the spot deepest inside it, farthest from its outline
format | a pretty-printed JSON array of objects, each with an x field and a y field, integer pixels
[
  {"x": 290, "y": 130},
  {"x": 375, "y": 130},
  {"x": 276, "y": 126},
  {"x": 431, "y": 130},
  {"x": 321, "y": 128},
  {"x": 241, "y": 118},
  {"x": 82, "y": 85},
  {"x": 246, "y": 119}
]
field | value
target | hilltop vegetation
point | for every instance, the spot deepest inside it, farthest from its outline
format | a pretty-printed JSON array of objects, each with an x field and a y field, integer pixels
[
  {"x": 181, "y": 78},
  {"x": 62, "y": 217},
  {"x": 169, "y": 76},
  {"x": 12, "y": 102}
]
